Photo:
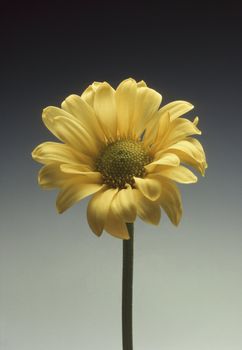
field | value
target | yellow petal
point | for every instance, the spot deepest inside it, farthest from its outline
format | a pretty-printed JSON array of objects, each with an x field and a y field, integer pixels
[
  {"x": 156, "y": 130},
  {"x": 105, "y": 108},
  {"x": 176, "y": 109},
  {"x": 178, "y": 174},
  {"x": 89, "y": 93},
  {"x": 166, "y": 159},
  {"x": 125, "y": 101},
  {"x": 188, "y": 148},
  {"x": 190, "y": 152},
  {"x": 148, "y": 211},
  {"x": 199, "y": 147},
  {"x": 76, "y": 106},
  {"x": 116, "y": 226},
  {"x": 48, "y": 115},
  {"x": 49, "y": 152},
  {"x": 146, "y": 104},
  {"x": 73, "y": 193},
  {"x": 98, "y": 208},
  {"x": 50, "y": 176},
  {"x": 71, "y": 132},
  {"x": 180, "y": 129},
  {"x": 123, "y": 204},
  {"x": 195, "y": 121},
  {"x": 150, "y": 187},
  {"x": 81, "y": 169},
  {"x": 141, "y": 83},
  {"x": 170, "y": 201}
]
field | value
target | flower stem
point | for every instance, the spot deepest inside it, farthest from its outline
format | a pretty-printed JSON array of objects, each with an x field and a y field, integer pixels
[{"x": 127, "y": 289}]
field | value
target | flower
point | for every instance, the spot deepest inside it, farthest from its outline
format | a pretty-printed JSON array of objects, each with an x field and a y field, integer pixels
[{"x": 119, "y": 147}]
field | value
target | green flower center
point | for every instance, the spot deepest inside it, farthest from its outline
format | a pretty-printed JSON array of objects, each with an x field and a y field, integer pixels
[{"x": 120, "y": 161}]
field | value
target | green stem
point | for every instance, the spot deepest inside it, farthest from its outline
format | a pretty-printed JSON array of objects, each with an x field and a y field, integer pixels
[{"x": 127, "y": 289}]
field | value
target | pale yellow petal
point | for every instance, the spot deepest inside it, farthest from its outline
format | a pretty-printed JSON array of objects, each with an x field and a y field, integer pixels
[
  {"x": 148, "y": 211},
  {"x": 71, "y": 132},
  {"x": 176, "y": 109},
  {"x": 166, "y": 159},
  {"x": 89, "y": 93},
  {"x": 196, "y": 121},
  {"x": 179, "y": 129},
  {"x": 146, "y": 104},
  {"x": 115, "y": 225},
  {"x": 98, "y": 208},
  {"x": 170, "y": 201},
  {"x": 188, "y": 148},
  {"x": 156, "y": 130},
  {"x": 123, "y": 204},
  {"x": 105, "y": 109},
  {"x": 178, "y": 174},
  {"x": 49, "y": 152},
  {"x": 50, "y": 176},
  {"x": 190, "y": 153},
  {"x": 73, "y": 193},
  {"x": 199, "y": 147},
  {"x": 141, "y": 83},
  {"x": 85, "y": 114},
  {"x": 150, "y": 187},
  {"x": 79, "y": 169},
  {"x": 125, "y": 100},
  {"x": 48, "y": 115},
  {"x": 52, "y": 112}
]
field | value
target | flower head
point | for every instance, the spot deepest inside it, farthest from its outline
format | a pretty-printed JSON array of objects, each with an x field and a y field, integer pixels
[{"x": 125, "y": 151}]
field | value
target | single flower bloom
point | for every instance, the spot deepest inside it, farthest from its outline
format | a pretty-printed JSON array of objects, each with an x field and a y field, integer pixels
[{"x": 123, "y": 149}]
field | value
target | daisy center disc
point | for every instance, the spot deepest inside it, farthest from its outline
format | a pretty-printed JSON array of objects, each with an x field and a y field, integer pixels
[{"x": 120, "y": 161}]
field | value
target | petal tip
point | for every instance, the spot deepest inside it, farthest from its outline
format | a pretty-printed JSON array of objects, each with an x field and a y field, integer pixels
[
  {"x": 195, "y": 179},
  {"x": 33, "y": 154},
  {"x": 177, "y": 219},
  {"x": 97, "y": 233},
  {"x": 59, "y": 209}
]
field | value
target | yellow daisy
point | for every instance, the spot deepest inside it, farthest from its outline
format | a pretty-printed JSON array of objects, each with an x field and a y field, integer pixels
[{"x": 123, "y": 149}]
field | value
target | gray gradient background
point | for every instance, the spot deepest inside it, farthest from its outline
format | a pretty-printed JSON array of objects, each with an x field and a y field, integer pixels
[{"x": 60, "y": 284}]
